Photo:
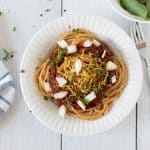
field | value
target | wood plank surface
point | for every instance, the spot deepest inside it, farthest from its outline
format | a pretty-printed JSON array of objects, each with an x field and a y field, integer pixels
[
  {"x": 19, "y": 129},
  {"x": 143, "y": 120},
  {"x": 123, "y": 136}
]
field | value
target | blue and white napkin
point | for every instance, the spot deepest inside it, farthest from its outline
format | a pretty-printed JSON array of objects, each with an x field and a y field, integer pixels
[{"x": 7, "y": 91}]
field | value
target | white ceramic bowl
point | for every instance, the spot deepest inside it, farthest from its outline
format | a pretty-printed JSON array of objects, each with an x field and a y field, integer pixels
[
  {"x": 116, "y": 6},
  {"x": 41, "y": 46}
]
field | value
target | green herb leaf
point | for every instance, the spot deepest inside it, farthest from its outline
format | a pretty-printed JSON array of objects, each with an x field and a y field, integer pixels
[
  {"x": 64, "y": 52},
  {"x": 1, "y": 13},
  {"x": 100, "y": 89},
  {"x": 69, "y": 103},
  {"x": 37, "y": 67},
  {"x": 104, "y": 65},
  {"x": 75, "y": 30},
  {"x": 85, "y": 101},
  {"x": 97, "y": 53},
  {"x": 22, "y": 71},
  {"x": 81, "y": 94},
  {"x": 109, "y": 79},
  {"x": 59, "y": 50},
  {"x": 101, "y": 78},
  {"x": 90, "y": 67},
  {"x": 46, "y": 98},
  {"x": 8, "y": 54},
  {"x": 47, "y": 10},
  {"x": 51, "y": 63},
  {"x": 61, "y": 54},
  {"x": 98, "y": 72},
  {"x": 102, "y": 71},
  {"x": 75, "y": 54},
  {"x": 88, "y": 85},
  {"x": 13, "y": 29},
  {"x": 95, "y": 90},
  {"x": 59, "y": 59},
  {"x": 71, "y": 75}
]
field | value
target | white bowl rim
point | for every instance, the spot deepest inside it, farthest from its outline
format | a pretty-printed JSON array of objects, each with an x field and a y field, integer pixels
[{"x": 21, "y": 81}]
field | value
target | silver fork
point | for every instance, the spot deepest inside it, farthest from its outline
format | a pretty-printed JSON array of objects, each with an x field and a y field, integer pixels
[{"x": 140, "y": 42}]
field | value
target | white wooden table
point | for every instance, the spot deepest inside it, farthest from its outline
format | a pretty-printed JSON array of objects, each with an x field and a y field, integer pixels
[{"x": 19, "y": 129}]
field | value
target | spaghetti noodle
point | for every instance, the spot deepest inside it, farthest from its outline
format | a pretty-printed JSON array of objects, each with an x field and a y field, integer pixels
[{"x": 85, "y": 81}]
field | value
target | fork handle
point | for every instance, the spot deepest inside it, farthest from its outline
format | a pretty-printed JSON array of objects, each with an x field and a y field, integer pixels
[
  {"x": 148, "y": 70},
  {"x": 147, "y": 60}
]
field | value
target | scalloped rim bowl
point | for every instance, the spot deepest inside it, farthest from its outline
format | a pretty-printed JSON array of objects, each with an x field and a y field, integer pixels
[
  {"x": 41, "y": 45},
  {"x": 116, "y": 6}
]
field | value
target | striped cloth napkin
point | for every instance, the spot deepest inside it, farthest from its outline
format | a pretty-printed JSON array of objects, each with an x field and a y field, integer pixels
[{"x": 7, "y": 91}]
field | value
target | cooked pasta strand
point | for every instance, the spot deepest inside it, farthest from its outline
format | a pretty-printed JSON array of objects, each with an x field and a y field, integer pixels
[{"x": 86, "y": 79}]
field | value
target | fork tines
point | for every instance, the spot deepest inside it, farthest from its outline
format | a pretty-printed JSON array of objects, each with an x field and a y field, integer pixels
[{"x": 137, "y": 35}]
